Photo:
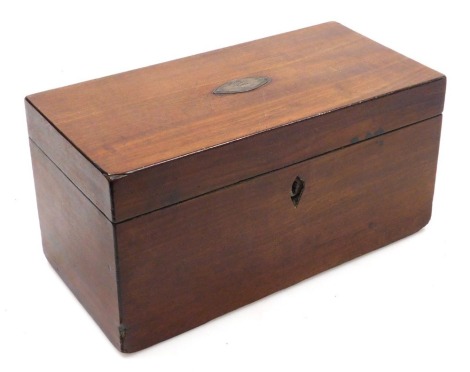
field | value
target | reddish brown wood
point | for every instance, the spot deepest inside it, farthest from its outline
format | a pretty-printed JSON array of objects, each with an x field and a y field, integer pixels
[
  {"x": 163, "y": 205},
  {"x": 84, "y": 174},
  {"x": 173, "y": 182},
  {"x": 165, "y": 117},
  {"x": 172, "y": 111},
  {"x": 78, "y": 241},
  {"x": 184, "y": 265}
]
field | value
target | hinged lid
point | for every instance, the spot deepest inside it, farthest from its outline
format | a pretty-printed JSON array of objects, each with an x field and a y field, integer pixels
[{"x": 145, "y": 139}]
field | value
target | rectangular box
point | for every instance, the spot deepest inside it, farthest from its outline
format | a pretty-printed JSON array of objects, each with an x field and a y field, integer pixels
[{"x": 175, "y": 193}]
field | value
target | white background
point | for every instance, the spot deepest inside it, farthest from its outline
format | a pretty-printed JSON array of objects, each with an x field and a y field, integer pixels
[{"x": 405, "y": 307}]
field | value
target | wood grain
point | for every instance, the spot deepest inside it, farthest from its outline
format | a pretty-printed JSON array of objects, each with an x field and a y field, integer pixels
[
  {"x": 154, "y": 132},
  {"x": 190, "y": 176},
  {"x": 81, "y": 172},
  {"x": 78, "y": 241},
  {"x": 151, "y": 115},
  {"x": 163, "y": 206},
  {"x": 246, "y": 241}
]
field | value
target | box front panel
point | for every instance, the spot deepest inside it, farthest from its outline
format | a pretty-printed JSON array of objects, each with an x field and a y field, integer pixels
[{"x": 186, "y": 264}]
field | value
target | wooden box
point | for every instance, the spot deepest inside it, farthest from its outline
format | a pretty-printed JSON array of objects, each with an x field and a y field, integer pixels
[{"x": 175, "y": 193}]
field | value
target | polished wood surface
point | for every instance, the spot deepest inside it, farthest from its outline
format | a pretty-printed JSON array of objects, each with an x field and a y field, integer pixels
[
  {"x": 151, "y": 115},
  {"x": 78, "y": 241},
  {"x": 190, "y": 176},
  {"x": 81, "y": 172},
  {"x": 163, "y": 206},
  {"x": 184, "y": 265},
  {"x": 154, "y": 132}
]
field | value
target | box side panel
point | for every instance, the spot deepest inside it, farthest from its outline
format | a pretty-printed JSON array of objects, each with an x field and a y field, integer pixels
[
  {"x": 71, "y": 162},
  {"x": 78, "y": 241},
  {"x": 187, "y": 264},
  {"x": 190, "y": 176}
]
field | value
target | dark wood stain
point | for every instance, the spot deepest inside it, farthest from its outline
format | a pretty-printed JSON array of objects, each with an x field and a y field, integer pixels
[
  {"x": 250, "y": 242},
  {"x": 78, "y": 241},
  {"x": 163, "y": 206}
]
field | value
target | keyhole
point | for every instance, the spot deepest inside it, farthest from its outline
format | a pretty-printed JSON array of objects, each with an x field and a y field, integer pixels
[{"x": 296, "y": 191}]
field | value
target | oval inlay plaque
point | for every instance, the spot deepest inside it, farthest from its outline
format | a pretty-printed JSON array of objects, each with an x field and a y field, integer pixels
[{"x": 242, "y": 85}]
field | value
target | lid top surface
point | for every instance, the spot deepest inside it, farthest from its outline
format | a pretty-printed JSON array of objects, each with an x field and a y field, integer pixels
[{"x": 143, "y": 117}]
